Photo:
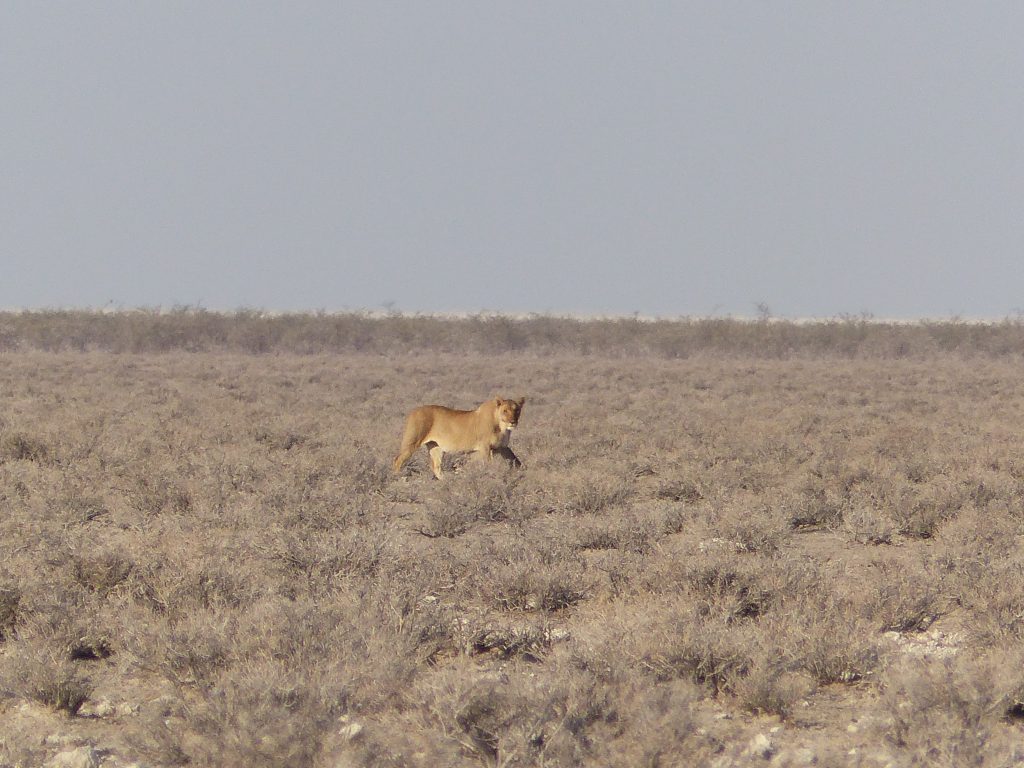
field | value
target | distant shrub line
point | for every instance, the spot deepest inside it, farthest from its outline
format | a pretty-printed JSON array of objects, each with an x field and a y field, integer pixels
[{"x": 255, "y": 332}]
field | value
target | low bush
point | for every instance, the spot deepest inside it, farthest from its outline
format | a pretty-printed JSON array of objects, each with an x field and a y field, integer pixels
[{"x": 699, "y": 543}]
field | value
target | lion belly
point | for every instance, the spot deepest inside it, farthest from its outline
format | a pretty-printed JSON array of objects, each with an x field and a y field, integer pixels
[{"x": 460, "y": 431}]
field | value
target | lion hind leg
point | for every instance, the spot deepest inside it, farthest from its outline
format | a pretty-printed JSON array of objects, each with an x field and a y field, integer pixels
[
  {"x": 412, "y": 439},
  {"x": 403, "y": 456}
]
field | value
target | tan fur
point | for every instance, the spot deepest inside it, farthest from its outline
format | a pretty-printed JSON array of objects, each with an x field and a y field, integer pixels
[{"x": 484, "y": 432}]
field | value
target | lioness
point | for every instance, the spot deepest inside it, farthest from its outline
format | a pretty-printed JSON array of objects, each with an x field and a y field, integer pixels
[{"x": 484, "y": 431}]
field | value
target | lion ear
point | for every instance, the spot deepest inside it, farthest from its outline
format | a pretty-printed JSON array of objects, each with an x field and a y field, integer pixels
[
  {"x": 521, "y": 401},
  {"x": 498, "y": 401}
]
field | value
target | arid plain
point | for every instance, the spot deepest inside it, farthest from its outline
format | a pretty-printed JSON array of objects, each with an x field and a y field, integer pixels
[{"x": 733, "y": 544}]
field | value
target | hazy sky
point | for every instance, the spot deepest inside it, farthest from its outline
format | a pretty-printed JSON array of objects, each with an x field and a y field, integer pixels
[{"x": 666, "y": 158}]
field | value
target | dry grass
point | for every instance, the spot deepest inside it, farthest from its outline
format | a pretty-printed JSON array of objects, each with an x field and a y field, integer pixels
[
  {"x": 250, "y": 331},
  {"x": 205, "y": 560}
]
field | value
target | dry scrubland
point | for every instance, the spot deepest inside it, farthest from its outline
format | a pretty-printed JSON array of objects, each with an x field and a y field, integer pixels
[{"x": 799, "y": 545}]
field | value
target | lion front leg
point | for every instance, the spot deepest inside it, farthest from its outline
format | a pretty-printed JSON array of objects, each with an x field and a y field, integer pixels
[
  {"x": 436, "y": 456},
  {"x": 506, "y": 453}
]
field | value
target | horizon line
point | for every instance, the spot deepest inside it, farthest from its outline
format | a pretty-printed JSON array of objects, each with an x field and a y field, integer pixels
[{"x": 382, "y": 314}]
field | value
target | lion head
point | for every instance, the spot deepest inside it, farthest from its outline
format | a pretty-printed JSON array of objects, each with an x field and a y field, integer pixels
[{"x": 508, "y": 412}]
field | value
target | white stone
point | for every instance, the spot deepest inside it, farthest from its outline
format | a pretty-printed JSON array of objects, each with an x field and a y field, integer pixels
[
  {"x": 83, "y": 757},
  {"x": 103, "y": 708},
  {"x": 760, "y": 746},
  {"x": 804, "y": 756},
  {"x": 351, "y": 731}
]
